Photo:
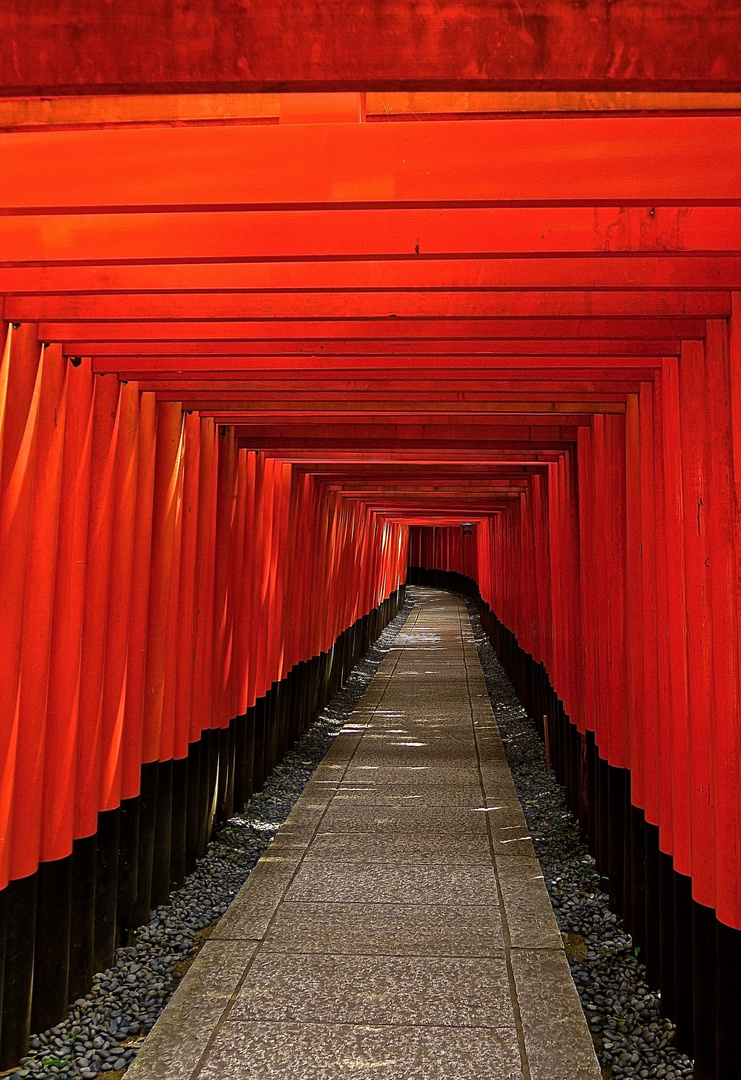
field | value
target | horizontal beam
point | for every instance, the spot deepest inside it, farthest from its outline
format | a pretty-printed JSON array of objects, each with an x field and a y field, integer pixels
[
  {"x": 526, "y": 356},
  {"x": 613, "y": 160},
  {"x": 476, "y": 385},
  {"x": 308, "y": 45},
  {"x": 254, "y": 284},
  {"x": 390, "y": 428},
  {"x": 108, "y": 110},
  {"x": 376, "y": 305},
  {"x": 186, "y": 245},
  {"x": 372, "y": 336},
  {"x": 310, "y": 405},
  {"x": 359, "y": 460},
  {"x": 450, "y": 441}
]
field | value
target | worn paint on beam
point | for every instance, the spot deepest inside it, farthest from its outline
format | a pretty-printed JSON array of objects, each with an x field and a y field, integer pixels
[{"x": 383, "y": 45}]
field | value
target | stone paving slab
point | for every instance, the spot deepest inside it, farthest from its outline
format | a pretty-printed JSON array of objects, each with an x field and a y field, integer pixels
[
  {"x": 428, "y": 991},
  {"x": 410, "y": 847},
  {"x": 356, "y": 881},
  {"x": 387, "y": 929},
  {"x": 261, "y": 1051},
  {"x": 399, "y": 926}
]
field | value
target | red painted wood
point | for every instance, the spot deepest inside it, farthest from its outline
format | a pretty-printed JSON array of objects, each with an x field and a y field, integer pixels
[
  {"x": 59, "y": 782},
  {"x": 164, "y": 521},
  {"x": 38, "y": 602},
  {"x": 120, "y": 583},
  {"x": 187, "y": 249},
  {"x": 302, "y": 45},
  {"x": 615, "y": 160},
  {"x": 138, "y": 604},
  {"x": 105, "y": 430}
]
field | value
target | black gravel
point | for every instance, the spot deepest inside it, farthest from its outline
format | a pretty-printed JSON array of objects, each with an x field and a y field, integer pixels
[
  {"x": 632, "y": 1039},
  {"x": 104, "y": 1030}
]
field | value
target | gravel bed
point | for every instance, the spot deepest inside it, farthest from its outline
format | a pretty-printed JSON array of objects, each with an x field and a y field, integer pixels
[
  {"x": 632, "y": 1040},
  {"x": 104, "y": 1030}
]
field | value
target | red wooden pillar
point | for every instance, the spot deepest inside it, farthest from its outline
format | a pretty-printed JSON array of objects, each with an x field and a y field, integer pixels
[
  {"x": 222, "y": 643},
  {"x": 139, "y": 600},
  {"x": 678, "y": 843},
  {"x": 693, "y": 412},
  {"x": 723, "y": 587},
  {"x": 588, "y": 658},
  {"x": 207, "y": 486},
  {"x": 634, "y": 614},
  {"x": 119, "y": 598},
  {"x": 236, "y": 566},
  {"x": 729, "y": 905},
  {"x": 156, "y": 821},
  {"x": 20, "y": 390},
  {"x": 105, "y": 431},
  {"x": 186, "y": 618},
  {"x": 254, "y": 579},
  {"x": 728, "y": 752},
  {"x": 265, "y": 553},
  {"x": 650, "y": 510},
  {"x": 164, "y": 520},
  {"x": 246, "y": 596},
  {"x": 57, "y": 820},
  {"x": 169, "y": 719},
  {"x": 37, "y": 620},
  {"x": 663, "y": 650}
]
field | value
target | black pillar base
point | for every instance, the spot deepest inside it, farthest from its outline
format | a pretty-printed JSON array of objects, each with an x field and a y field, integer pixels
[
  {"x": 51, "y": 953},
  {"x": 20, "y": 934},
  {"x": 106, "y": 881}
]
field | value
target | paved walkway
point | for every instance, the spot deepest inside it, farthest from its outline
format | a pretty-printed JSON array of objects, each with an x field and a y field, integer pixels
[{"x": 398, "y": 927}]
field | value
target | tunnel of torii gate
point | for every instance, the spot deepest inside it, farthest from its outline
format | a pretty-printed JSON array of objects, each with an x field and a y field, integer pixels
[{"x": 288, "y": 299}]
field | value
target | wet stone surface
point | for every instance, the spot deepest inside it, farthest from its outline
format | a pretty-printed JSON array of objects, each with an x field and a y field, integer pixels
[
  {"x": 632, "y": 1040},
  {"x": 104, "y": 1030}
]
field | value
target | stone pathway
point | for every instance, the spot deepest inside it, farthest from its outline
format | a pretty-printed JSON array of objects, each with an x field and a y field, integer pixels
[{"x": 398, "y": 927}]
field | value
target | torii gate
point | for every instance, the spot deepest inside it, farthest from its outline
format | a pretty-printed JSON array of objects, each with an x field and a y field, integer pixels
[{"x": 291, "y": 292}]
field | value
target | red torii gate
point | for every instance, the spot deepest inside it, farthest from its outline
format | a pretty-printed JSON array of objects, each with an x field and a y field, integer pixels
[{"x": 251, "y": 344}]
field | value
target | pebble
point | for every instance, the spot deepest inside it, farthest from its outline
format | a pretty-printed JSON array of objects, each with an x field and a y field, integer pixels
[
  {"x": 104, "y": 1030},
  {"x": 631, "y": 1037}
]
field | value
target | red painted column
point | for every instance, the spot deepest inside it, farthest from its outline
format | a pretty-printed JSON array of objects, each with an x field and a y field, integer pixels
[
  {"x": 634, "y": 614},
  {"x": 729, "y": 905},
  {"x": 207, "y": 485},
  {"x": 723, "y": 592},
  {"x": 119, "y": 598},
  {"x": 677, "y": 726},
  {"x": 617, "y": 670},
  {"x": 589, "y": 600},
  {"x": 186, "y": 616},
  {"x": 169, "y": 691},
  {"x": 164, "y": 520},
  {"x": 236, "y": 564},
  {"x": 95, "y": 616},
  {"x": 653, "y": 691},
  {"x": 245, "y": 654},
  {"x": 255, "y": 546},
  {"x": 223, "y": 640},
  {"x": 20, "y": 390},
  {"x": 60, "y": 771},
  {"x": 41, "y": 560},
  {"x": 139, "y": 600},
  {"x": 693, "y": 418}
]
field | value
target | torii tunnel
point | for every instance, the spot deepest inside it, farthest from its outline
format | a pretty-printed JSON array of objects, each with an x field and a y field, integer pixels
[{"x": 287, "y": 302}]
